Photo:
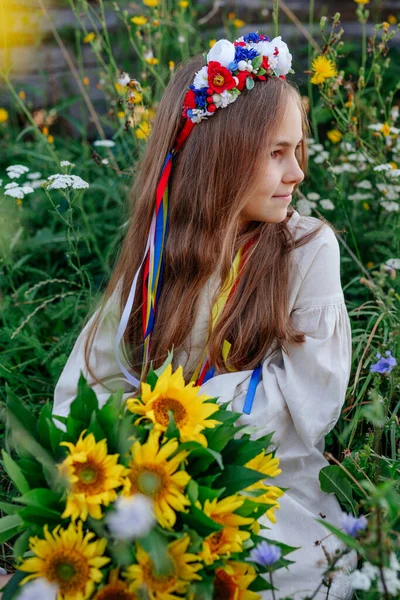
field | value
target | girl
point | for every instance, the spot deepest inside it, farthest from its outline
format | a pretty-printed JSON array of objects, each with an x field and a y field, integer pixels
[{"x": 226, "y": 272}]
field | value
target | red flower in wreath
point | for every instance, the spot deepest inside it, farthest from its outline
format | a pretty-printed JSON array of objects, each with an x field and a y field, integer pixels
[
  {"x": 242, "y": 76},
  {"x": 219, "y": 77},
  {"x": 264, "y": 65},
  {"x": 239, "y": 43},
  {"x": 189, "y": 101}
]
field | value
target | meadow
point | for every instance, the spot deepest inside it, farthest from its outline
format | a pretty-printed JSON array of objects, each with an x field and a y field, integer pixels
[{"x": 64, "y": 190}]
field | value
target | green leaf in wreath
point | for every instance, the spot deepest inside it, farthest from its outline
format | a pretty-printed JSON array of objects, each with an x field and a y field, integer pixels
[
  {"x": 249, "y": 83},
  {"x": 256, "y": 62}
]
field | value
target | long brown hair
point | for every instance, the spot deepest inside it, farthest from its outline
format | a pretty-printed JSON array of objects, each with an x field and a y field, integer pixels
[{"x": 212, "y": 179}]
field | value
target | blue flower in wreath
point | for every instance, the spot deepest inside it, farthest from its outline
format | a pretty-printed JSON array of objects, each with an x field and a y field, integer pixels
[
  {"x": 201, "y": 96},
  {"x": 252, "y": 37},
  {"x": 242, "y": 53}
]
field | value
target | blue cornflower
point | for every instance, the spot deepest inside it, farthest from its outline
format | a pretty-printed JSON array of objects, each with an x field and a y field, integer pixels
[
  {"x": 265, "y": 554},
  {"x": 252, "y": 37},
  {"x": 242, "y": 53},
  {"x": 384, "y": 365},
  {"x": 233, "y": 65},
  {"x": 201, "y": 96},
  {"x": 352, "y": 525}
]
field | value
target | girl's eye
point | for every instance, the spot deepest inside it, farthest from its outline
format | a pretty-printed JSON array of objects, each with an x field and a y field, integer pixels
[{"x": 277, "y": 152}]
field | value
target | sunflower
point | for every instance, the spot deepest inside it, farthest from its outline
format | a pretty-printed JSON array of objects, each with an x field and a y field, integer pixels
[
  {"x": 191, "y": 411},
  {"x": 92, "y": 475},
  {"x": 323, "y": 69},
  {"x": 222, "y": 511},
  {"x": 232, "y": 580},
  {"x": 67, "y": 558},
  {"x": 222, "y": 544},
  {"x": 269, "y": 466},
  {"x": 165, "y": 587},
  {"x": 116, "y": 589},
  {"x": 153, "y": 473}
]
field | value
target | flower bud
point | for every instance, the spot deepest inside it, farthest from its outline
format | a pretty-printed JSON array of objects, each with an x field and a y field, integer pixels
[{"x": 322, "y": 22}]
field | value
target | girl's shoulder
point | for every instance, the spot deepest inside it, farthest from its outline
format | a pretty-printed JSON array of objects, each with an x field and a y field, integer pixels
[
  {"x": 324, "y": 242},
  {"x": 301, "y": 225}
]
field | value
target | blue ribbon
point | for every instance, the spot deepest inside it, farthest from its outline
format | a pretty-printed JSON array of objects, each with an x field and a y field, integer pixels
[{"x": 251, "y": 392}]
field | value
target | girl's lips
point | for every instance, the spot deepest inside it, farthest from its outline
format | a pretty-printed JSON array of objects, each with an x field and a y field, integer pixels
[{"x": 288, "y": 198}]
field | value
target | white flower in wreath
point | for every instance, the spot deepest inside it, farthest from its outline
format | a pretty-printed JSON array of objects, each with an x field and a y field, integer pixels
[
  {"x": 224, "y": 98},
  {"x": 201, "y": 78},
  {"x": 284, "y": 57},
  {"x": 223, "y": 52}
]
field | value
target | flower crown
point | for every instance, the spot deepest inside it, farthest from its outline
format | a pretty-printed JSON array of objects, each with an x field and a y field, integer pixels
[{"x": 230, "y": 68}]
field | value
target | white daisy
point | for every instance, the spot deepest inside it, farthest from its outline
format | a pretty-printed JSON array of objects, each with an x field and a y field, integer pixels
[
  {"x": 304, "y": 207},
  {"x": 35, "y": 175},
  {"x": 15, "y": 171},
  {"x": 105, "y": 143},
  {"x": 327, "y": 204},
  {"x": 390, "y": 206},
  {"x": 383, "y": 167},
  {"x": 365, "y": 184}
]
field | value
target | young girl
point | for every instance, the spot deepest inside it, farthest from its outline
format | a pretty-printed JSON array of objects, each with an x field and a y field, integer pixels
[{"x": 218, "y": 265}]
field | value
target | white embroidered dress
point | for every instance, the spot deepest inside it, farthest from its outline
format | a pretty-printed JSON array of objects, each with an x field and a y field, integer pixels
[{"x": 299, "y": 397}]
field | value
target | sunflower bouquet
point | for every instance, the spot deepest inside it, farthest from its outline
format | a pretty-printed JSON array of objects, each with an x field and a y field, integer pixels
[{"x": 161, "y": 497}]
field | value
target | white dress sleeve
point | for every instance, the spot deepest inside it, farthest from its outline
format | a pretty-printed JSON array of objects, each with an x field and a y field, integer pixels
[
  {"x": 102, "y": 361},
  {"x": 301, "y": 392}
]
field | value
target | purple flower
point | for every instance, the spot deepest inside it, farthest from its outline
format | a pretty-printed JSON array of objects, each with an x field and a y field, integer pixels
[
  {"x": 265, "y": 554},
  {"x": 352, "y": 525},
  {"x": 384, "y": 365}
]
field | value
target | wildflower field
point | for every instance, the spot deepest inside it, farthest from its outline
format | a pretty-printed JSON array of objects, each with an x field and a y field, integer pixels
[{"x": 64, "y": 187}]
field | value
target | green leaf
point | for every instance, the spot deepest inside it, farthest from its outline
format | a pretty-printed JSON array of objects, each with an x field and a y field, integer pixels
[
  {"x": 156, "y": 545},
  {"x": 202, "y": 455},
  {"x": 256, "y": 62},
  {"x": 235, "y": 478},
  {"x": 85, "y": 402},
  {"x": 347, "y": 539},
  {"x": 21, "y": 413},
  {"x": 21, "y": 544},
  {"x": 39, "y": 515},
  {"x": 198, "y": 521},
  {"x": 249, "y": 83},
  {"x": 334, "y": 481},
  {"x": 13, "y": 585},
  {"x": 49, "y": 435},
  {"x": 9, "y": 526},
  {"x": 165, "y": 364},
  {"x": 172, "y": 431},
  {"x": 9, "y": 509},
  {"x": 15, "y": 473},
  {"x": 39, "y": 497},
  {"x": 192, "y": 491},
  {"x": 261, "y": 72}
]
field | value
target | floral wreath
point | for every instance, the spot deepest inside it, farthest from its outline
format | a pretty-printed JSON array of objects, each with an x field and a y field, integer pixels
[{"x": 230, "y": 68}]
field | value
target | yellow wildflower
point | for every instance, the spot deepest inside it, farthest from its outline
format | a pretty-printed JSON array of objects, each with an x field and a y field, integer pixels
[
  {"x": 142, "y": 131},
  {"x": 269, "y": 466},
  {"x": 156, "y": 22},
  {"x": 231, "y": 16},
  {"x": 3, "y": 115},
  {"x": 385, "y": 129},
  {"x": 121, "y": 114},
  {"x": 85, "y": 81},
  {"x": 212, "y": 42},
  {"x": 171, "y": 65},
  {"x": 45, "y": 131},
  {"x": 385, "y": 25},
  {"x": 22, "y": 95},
  {"x": 151, "y": 3},
  {"x": 366, "y": 206},
  {"x": 323, "y": 69},
  {"x": 370, "y": 264},
  {"x": 392, "y": 19},
  {"x": 393, "y": 165},
  {"x": 50, "y": 139},
  {"x": 89, "y": 38},
  {"x": 183, "y": 4},
  {"x": 238, "y": 23},
  {"x": 151, "y": 60},
  {"x": 362, "y": 1},
  {"x": 334, "y": 135},
  {"x": 139, "y": 20},
  {"x": 121, "y": 89}
]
